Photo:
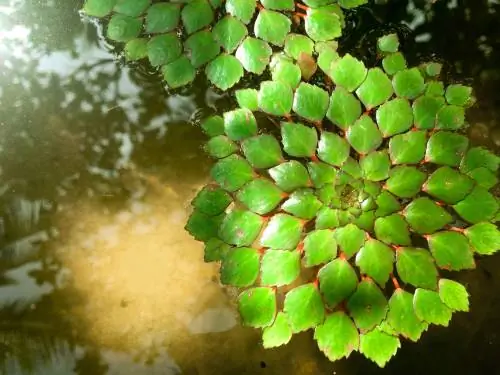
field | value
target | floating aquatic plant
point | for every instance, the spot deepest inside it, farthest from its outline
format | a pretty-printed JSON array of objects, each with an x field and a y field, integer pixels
[
  {"x": 345, "y": 217},
  {"x": 226, "y": 38}
]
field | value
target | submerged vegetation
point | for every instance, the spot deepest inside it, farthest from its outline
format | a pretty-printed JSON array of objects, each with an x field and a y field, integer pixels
[{"x": 343, "y": 194}]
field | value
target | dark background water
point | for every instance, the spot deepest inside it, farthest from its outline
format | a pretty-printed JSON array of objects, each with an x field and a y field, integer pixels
[{"x": 97, "y": 166}]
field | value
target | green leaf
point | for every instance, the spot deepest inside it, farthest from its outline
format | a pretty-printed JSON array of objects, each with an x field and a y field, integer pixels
[
  {"x": 429, "y": 308},
  {"x": 364, "y": 135},
  {"x": 386, "y": 204},
  {"x": 283, "y": 232},
  {"x": 295, "y": 44},
  {"x": 131, "y": 8},
  {"x": 290, "y": 175},
  {"x": 162, "y": 18},
  {"x": 272, "y": 27},
  {"x": 446, "y": 148},
  {"x": 279, "y": 333},
  {"x": 392, "y": 230},
  {"x": 232, "y": 173},
  {"x": 322, "y": 25},
  {"x": 451, "y": 117},
  {"x": 240, "y": 267},
  {"x": 213, "y": 126},
  {"x": 260, "y": 196},
  {"x": 241, "y": 9},
  {"x": 201, "y": 48},
  {"x": 435, "y": 88},
  {"x": 164, "y": 49},
  {"x": 224, "y": 71},
  {"x": 379, "y": 346},
  {"x": 327, "y": 218},
  {"x": 366, "y": 221},
  {"x": 344, "y": 108},
  {"x": 304, "y": 308},
  {"x": 326, "y": 60},
  {"x": 408, "y": 83},
  {"x": 416, "y": 266},
  {"x": 484, "y": 177},
  {"x": 240, "y": 228},
  {"x": 229, "y": 32},
  {"x": 178, "y": 73},
  {"x": 484, "y": 238},
  {"x": 458, "y": 95},
  {"x": 254, "y": 54},
  {"x": 279, "y": 267},
  {"x": 310, "y": 102},
  {"x": 215, "y": 250},
  {"x": 454, "y": 295},
  {"x": 275, "y": 98},
  {"x": 257, "y": 307},
  {"x": 376, "y": 89},
  {"x": 262, "y": 151},
  {"x": 479, "y": 205},
  {"x": 337, "y": 281},
  {"x": 298, "y": 140},
  {"x": 350, "y": 239},
  {"x": 349, "y": 4},
  {"x": 349, "y": 72},
  {"x": 394, "y": 117},
  {"x": 287, "y": 73},
  {"x": 477, "y": 157},
  {"x": 408, "y": 148},
  {"x": 211, "y": 200},
  {"x": 433, "y": 69},
  {"x": 248, "y": 98},
  {"x": 123, "y": 28},
  {"x": 203, "y": 227},
  {"x": 319, "y": 247},
  {"x": 136, "y": 49},
  {"x": 425, "y": 111},
  {"x": 98, "y": 8},
  {"x": 353, "y": 168},
  {"x": 337, "y": 337},
  {"x": 196, "y": 15},
  {"x": 376, "y": 165},
  {"x": 388, "y": 43},
  {"x": 393, "y": 63},
  {"x": 278, "y": 4},
  {"x": 448, "y": 185},
  {"x": 240, "y": 124},
  {"x": 332, "y": 148},
  {"x": 451, "y": 250},
  {"x": 367, "y": 306},
  {"x": 405, "y": 181},
  {"x": 302, "y": 203},
  {"x": 376, "y": 260},
  {"x": 425, "y": 216},
  {"x": 402, "y": 317}
]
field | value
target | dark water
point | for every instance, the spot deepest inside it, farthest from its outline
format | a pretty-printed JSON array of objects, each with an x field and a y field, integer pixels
[{"x": 98, "y": 164}]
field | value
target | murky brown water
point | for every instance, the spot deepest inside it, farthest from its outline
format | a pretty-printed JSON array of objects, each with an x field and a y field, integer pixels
[{"x": 98, "y": 165}]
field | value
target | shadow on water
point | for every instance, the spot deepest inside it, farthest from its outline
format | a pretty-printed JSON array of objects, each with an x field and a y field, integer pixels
[{"x": 97, "y": 167}]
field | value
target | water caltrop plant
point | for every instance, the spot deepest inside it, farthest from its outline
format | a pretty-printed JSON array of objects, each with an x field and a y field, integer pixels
[{"x": 342, "y": 195}]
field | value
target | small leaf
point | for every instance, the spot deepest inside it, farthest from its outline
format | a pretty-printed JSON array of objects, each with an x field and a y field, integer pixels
[
  {"x": 367, "y": 306},
  {"x": 376, "y": 165},
  {"x": 388, "y": 43},
  {"x": 229, "y": 32},
  {"x": 392, "y": 230},
  {"x": 327, "y": 218},
  {"x": 332, "y": 148},
  {"x": 477, "y": 157},
  {"x": 376, "y": 88},
  {"x": 287, "y": 73},
  {"x": 386, "y": 204},
  {"x": 241, "y": 9},
  {"x": 402, "y": 317},
  {"x": 248, "y": 98},
  {"x": 364, "y": 135},
  {"x": 272, "y": 27},
  {"x": 215, "y": 250},
  {"x": 408, "y": 83},
  {"x": 240, "y": 228},
  {"x": 279, "y": 267},
  {"x": 290, "y": 175},
  {"x": 326, "y": 60},
  {"x": 430, "y": 309},
  {"x": 448, "y": 185},
  {"x": 425, "y": 216},
  {"x": 196, "y": 15},
  {"x": 240, "y": 124},
  {"x": 366, "y": 221},
  {"x": 450, "y": 117},
  {"x": 213, "y": 126},
  {"x": 408, "y": 148},
  {"x": 279, "y": 333},
  {"x": 435, "y": 88},
  {"x": 162, "y": 18},
  {"x": 322, "y": 25},
  {"x": 283, "y": 232},
  {"x": 394, "y": 117},
  {"x": 319, "y": 247},
  {"x": 257, "y": 307},
  {"x": 484, "y": 177},
  {"x": 302, "y": 203},
  {"x": 433, "y": 69},
  {"x": 240, "y": 267},
  {"x": 484, "y": 238},
  {"x": 416, "y": 266},
  {"x": 458, "y": 95},
  {"x": 211, "y": 200},
  {"x": 275, "y": 98},
  {"x": 349, "y": 72},
  {"x": 224, "y": 71},
  {"x": 479, "y": 205},
  {"x": 278, "y": 4},
  {"x": 310, "y": 102},
  {"x": 304, "y": 308},
  {"x": 98, "y": 8},
  {"x": 307, "y": 65},
  {"x": 344, "y": 108},
  {"x": 203, "y": 227},
  {"x": 123, "y": 28},
  {"x": 254, "y": 54},
  {"x": 454, "y": 295},
  {"x": 337, "y": 337},
  {"x": 425, "y": 111},
  {"x": 451, "y": 250},
  {"x": 262, "y": 151},
  {"x": 178, "y": 73},
  {"x": 201, "y": 48},
  {"x": 136, "y": 49},
  {"x": 295, "y": 44},
  {"x": 298, "y": 140},
  {"x": 393, "y": 63},
  {"x": 260, "y": 196},
  {"x": 446, "y": 148},
  {"x": 349, "y": 4},
  {"x": 379, "y": 346},
  {"x": 232, "y": 173},
  {"x": 337, "y": 281},
  {"x": 376, "y": 260},
  {"x": 131, "y": 8},
  {"x": 350, "y": 239},
  {"x": 353, "y": 168},
  {"x": 405, "y": 181}
]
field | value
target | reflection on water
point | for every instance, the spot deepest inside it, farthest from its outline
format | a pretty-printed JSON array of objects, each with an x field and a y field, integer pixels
[{"x": 97, "y": 167}]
